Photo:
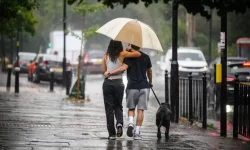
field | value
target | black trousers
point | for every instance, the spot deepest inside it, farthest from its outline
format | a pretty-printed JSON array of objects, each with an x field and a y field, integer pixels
[{"x": 113, "y": 91}]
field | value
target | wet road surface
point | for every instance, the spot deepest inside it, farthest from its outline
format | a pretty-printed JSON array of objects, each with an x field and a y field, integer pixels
[{"x": 39, "y": 119}]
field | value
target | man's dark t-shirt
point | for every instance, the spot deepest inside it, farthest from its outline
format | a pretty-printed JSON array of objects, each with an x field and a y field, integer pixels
[{"x": 136, "y": 72}]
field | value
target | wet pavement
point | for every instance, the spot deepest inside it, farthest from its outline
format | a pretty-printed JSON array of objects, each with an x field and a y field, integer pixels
[{"x": 42, "y": 120}]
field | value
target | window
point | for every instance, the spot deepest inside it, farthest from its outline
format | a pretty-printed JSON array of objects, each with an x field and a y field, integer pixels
[
  {"x": 190, "y": 56},
  {"x": 26, "y": 57}
]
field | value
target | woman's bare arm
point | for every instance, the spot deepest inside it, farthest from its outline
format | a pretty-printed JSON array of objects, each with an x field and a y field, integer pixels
[
  {"x": 104, "y": 66},
  {"x": 131, "y": 54}
]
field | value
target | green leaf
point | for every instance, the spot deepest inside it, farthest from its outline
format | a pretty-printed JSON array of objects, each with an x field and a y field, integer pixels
[
  {"x": 91, "y": 8},
  {"x": 88, "y": 33}
]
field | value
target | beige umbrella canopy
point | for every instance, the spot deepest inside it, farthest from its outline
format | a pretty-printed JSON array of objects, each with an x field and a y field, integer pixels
[{"x": 131, "y": 31}]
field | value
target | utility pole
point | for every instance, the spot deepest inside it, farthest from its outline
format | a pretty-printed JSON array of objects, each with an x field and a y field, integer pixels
[
  {"x": 64, "y": 41},
  {"x": 223, "y": 97},
  {"x": 174, "y": 64}
]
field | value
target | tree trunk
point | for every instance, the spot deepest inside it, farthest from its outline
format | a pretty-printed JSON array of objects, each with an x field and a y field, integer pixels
[
  {"x": 3, "y": 53},
  {"x": 191, "y": 30}
]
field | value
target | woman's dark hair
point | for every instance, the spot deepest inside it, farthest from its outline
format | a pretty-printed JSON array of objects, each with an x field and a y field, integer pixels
[{"x": 114, "y": 50}]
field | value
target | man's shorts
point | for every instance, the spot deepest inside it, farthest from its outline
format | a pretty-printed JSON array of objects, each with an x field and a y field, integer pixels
[{"x": 137, "y": 97}]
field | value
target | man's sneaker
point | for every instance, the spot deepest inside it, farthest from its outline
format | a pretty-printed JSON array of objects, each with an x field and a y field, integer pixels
[
  {"x": 119, "y": 131},
  {"x": 137, "y": 136},
  {"x": 112, "y": 137},
  {"x": 130, "y": 130}
]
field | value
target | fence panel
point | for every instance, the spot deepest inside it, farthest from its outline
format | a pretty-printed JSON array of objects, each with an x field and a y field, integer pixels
[
  {"x": 191, "y": 96},
  {"x": 241, "y": 121}
]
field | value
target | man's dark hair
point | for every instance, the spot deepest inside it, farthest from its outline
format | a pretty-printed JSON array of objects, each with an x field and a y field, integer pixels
[{"x": 135, "y": 47}]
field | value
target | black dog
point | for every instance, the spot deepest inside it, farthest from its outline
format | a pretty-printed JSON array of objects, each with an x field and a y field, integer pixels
[{"x": 163, "y": 117}]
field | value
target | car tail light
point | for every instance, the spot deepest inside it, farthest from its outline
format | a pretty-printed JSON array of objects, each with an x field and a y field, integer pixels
[
  {"x": 246, "y": 64},
  {"x": 230, "y": 79},
  {"x": 21, "y": 62},
  {"x": 86, "y": 58}
]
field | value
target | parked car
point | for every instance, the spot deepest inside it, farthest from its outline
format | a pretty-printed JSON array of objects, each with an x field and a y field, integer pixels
[
  {"x": 229, "y": 61},
  {"x": 242, "y": 69},
  {"x": 189, "y": 60},
  {"x": 42, "y": 65},
  {"x": 92, "y": 62},
  {"x": 160, "y": 66},
  {"x": 24, "y": 61}
]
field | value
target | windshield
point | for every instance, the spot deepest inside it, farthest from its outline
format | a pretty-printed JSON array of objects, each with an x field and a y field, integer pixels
[
  {"x": 26, "y": 57},
  {"x": 190, "y": 56},
  {"x": 237, "y": 69},
  {"x": 96, "y": 54}
]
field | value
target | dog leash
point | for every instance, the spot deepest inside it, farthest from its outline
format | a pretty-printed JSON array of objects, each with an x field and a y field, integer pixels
[{"x": 156, "y": 96}]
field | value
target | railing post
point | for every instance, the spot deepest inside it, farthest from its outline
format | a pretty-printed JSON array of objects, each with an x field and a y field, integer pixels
[
  {"x": 236, "y": 111},
  {"x": 190, "y": 98},
  {"x": 166, "y": 87},
  {"x": 68, "y": 81},
  {"x": 9, "y": 78},
  {"x": 204, "y": 121},
  {"x": 17, "y": 70},
  {"x": 51, "y": 80}
]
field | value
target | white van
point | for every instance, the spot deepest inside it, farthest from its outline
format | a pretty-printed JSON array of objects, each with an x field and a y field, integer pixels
[{"x": 189, "y": 60}]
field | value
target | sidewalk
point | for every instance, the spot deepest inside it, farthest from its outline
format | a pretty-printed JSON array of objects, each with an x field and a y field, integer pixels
[{"x": 38, "y": 119}]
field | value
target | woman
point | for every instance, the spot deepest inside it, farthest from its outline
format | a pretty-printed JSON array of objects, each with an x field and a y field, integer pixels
[{"x": 113, "y": 87}]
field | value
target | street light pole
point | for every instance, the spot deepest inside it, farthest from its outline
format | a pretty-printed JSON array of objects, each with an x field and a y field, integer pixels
[
  {"x": 223, "y": 97},
  {"x": 17, "y": 61},
  {"x": 64, "y": 41},
  {"x": 174, "y": 64},
  {"x": 210, "y": 37}
]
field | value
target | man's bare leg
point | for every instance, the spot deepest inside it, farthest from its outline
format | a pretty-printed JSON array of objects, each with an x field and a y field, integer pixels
[{"x": 140, "y": 117}]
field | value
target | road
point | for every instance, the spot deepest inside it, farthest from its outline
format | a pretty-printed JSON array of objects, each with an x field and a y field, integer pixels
[{"x": 38, "y": 119}]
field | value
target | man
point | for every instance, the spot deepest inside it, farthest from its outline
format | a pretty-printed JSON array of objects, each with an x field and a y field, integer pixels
[{"x": 138, "y": 87}]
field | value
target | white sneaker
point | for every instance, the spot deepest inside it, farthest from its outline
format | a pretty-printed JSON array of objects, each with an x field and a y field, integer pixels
[
  {"x": 137, "y": 136},
  {"x": 113, "y": 137}
]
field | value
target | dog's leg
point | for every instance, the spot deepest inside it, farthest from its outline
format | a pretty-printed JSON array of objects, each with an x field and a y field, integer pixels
[
  {"x": 159, "y": 132},
  {"x": 159, "y": 129},
  {"x": 167, "y": 129}
]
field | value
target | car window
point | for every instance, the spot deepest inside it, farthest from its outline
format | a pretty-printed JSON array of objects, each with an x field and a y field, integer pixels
[
  {"x": 190, "y": 56},
  {"x": 26, "y": 57}
]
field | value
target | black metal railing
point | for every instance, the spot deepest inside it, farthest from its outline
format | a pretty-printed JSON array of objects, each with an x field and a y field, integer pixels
[
  {"x": 241, "y": 121},
  {"x": 192, "y": 98}
]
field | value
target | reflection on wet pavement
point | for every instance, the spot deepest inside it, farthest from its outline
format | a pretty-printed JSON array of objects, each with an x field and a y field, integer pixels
[{"x": 38, "y": 119}]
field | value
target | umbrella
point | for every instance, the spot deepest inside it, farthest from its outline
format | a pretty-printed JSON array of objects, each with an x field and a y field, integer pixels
[{"x": 131, "y": 31}]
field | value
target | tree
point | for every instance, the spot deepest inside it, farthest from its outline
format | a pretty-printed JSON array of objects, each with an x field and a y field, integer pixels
[
  {"x": 84, "y": 8},
  {"x": 49, "y": 15},
  {"x": 15, "y": 14},
  {"x": 11, "y": 9},
  {"x": 192, "y": 6}
]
